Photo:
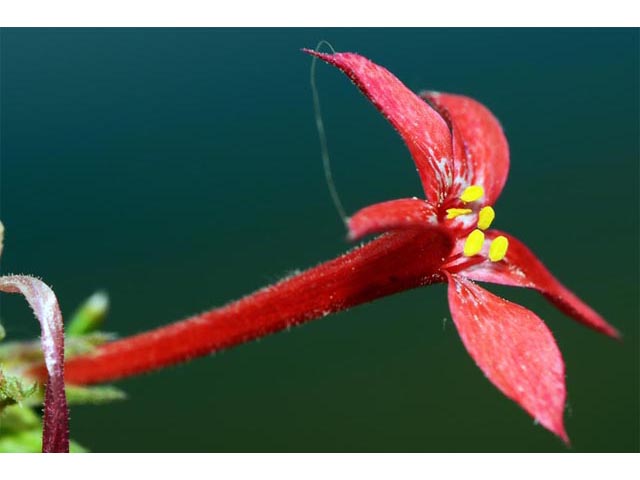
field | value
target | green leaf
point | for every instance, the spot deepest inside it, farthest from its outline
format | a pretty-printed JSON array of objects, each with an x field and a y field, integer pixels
[
  {"x": 30, "y": 441},
  {"x": 14, "y": 389},
  {"x": 16, "y": 418},
  {"x": 93, "y": 395},
  {"x": 84, "y": 344}
]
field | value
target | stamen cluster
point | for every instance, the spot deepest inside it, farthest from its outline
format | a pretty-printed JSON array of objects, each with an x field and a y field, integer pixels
[{"x": 475, "y": 240}]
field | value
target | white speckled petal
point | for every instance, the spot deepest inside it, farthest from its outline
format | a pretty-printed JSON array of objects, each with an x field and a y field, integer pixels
[{"x": 513, "y": 348}]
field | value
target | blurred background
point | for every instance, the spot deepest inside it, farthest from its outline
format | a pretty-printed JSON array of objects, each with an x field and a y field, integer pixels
[{"x": 179, "y": 169}]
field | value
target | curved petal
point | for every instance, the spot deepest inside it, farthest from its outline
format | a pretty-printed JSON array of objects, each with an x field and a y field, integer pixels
[
  {"x": 392, "y": 215},
  {"x": 424, "y": 131},
  {"x": 55, "y": 436},
  {"x": 521, "y": 268},
  {"x": 513, "y": 348},
  {"x": 483, "y": 158}
]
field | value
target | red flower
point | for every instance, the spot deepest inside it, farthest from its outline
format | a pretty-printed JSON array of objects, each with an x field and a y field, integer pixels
[{"x": 462, "y": 158}]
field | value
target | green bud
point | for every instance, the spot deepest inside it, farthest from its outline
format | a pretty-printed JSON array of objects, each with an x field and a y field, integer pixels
[{"x": 90, "y": 316}]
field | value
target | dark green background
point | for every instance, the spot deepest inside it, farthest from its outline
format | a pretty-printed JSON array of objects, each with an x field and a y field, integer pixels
[{"x": 179, "y": 169}]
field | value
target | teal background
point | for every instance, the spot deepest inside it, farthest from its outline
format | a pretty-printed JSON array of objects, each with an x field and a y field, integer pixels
[{"x": 179, "y": 169}]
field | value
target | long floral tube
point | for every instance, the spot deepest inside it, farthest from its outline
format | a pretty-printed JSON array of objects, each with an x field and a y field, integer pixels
[{"x": 391, "y": 263}]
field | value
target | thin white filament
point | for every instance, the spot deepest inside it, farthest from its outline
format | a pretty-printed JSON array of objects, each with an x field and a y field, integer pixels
[{"x": 324, "y": 150}]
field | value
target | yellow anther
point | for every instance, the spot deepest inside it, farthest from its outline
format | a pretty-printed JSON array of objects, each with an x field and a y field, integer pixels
[
  {"x": 485, "y": 217},
  {"x": 498, "y": 248},
  {"x": 472, "y": 193},
  {"x": 456, "y": 212},
  {"x": 473, "y": 244}
]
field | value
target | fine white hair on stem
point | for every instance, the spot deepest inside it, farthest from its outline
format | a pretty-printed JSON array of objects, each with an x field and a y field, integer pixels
[
  {"x": 324, "y": 150},
  {"x": 55, "y": 435}
]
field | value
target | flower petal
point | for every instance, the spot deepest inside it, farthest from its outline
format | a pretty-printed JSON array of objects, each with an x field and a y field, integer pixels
[
  {"x": 513, "y": 348},
  {"x": 521, "y": 268},
  {"x": 484, "y": 157},
  {"x": 424, "y": 131},
  {"x": 55, "y": 436},
  {"x": 392, "y": 215}
]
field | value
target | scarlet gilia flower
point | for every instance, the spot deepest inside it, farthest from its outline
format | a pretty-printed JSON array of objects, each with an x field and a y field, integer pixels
[{"x": 462, "y": 158}]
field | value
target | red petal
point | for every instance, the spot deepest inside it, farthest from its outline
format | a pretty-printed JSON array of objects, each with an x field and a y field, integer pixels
[
  {"x": 424, "y": 131},
  {"x": 513, "y": 348},
  {"x": 392, "y": 215},
  {"x": 484, "y": 158},
  {"x": 521, "y": 268},
  {"x": 55, "y": 436}
]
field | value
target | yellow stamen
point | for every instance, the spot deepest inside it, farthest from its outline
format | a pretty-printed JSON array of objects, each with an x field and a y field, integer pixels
[
  {"x": 498, "y": 248},
  {"x": 473, "y": 244},
  {"x": 485, "y": 217},
  {"x": 456, "y": 212},
  {"x": 472, "y": 193}
]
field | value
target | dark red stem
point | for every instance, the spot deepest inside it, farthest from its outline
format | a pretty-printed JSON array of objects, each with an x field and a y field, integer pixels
[{"x": 389, "y": 264}]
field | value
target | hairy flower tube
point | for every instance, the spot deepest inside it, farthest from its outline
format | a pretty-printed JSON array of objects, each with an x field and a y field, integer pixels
[{"x": 462, "y": 158}]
